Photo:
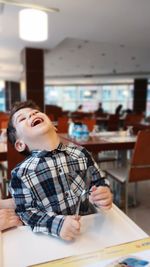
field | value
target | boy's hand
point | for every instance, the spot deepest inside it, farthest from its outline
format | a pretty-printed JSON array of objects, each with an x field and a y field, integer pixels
[
  {"x": 8, "y": 219},
  {"x": 101, "y": 196},
  {"x": 7, "y": 203},
  {"x": 70, "y": 228}
]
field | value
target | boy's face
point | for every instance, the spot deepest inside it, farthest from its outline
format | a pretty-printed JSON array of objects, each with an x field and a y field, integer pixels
[{"x": 30, "y": 124}]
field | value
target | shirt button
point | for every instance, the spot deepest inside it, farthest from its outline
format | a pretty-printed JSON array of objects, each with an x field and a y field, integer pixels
[{"x": 66, "y": 194}]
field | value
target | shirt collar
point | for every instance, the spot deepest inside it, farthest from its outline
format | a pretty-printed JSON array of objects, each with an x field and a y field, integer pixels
[{"x": 42, "y": 153}]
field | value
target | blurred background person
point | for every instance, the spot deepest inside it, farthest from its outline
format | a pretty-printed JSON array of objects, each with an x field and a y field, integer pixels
[
  {"x": 100, "y": 109},
  {"x": 80, "y": 108},
  {"x": 118, "y": 110}
]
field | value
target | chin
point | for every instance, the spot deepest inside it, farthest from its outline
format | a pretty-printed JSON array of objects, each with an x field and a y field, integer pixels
[{"x": 46, "y": 128}]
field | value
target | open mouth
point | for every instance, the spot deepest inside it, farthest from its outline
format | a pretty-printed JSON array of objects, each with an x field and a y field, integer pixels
[{"x": 36, "y": 122}]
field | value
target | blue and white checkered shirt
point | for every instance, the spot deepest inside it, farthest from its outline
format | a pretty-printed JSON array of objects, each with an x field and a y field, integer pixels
[{"x": 46, "y": 186}]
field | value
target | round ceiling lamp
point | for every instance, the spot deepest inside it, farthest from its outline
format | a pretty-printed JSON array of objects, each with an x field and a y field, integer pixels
[{"x": 33, "y": 25}]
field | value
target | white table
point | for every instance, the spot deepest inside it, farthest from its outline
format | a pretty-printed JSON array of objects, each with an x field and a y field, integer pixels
[{"x": 21, "y": 247}]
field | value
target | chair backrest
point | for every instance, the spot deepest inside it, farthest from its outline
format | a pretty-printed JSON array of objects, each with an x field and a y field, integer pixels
[
  {"x": 13, "y": 158},
  {"x": 113, "y": 122},
  {"x": 51, "y": 116},
  {"x": 139, "y": 127},
  {"x": 55, "y": 110},
  {"x": 133, "y": 119},
  {"x": 79, "y": 116},
  {"x": 62, "y": 125},
  {"x": 140, "y": 163},
  {"x": 3, "y": 123},
  {"x": 4, "y": 117},
  {"x": 90, "y": 123}
]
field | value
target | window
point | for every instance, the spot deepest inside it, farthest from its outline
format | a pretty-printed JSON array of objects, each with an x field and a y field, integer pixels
[
  {"x": 69, "y": 97},
  {"x": 148, "y": 101},
  {"x": 2, "y": 96}
]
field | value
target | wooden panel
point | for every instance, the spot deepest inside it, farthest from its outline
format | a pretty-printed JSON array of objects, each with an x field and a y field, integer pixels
[
  {"x": 140, "y": 95},
  {"x": 12, "y": 93},
  {"x": 33, "y": 61}
]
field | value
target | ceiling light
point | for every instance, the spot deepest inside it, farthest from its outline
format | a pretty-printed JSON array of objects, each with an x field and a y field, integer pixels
[
  {"x": 87, "y": 93},
  {"x": 33, "y": 25}
]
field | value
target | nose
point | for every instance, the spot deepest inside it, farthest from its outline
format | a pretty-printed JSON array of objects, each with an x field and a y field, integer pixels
[{"x": 32, "y": 113}]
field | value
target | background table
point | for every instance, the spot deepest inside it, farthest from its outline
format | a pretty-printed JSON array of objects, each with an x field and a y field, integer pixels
[{"x": 105, "y": 141}]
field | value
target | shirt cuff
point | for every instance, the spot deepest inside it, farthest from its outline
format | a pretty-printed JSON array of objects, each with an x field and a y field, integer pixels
[{"x": 57, "y": 225}]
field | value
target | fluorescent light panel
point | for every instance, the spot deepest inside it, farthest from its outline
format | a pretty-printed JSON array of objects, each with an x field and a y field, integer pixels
[{"x": 33, "y": 25}]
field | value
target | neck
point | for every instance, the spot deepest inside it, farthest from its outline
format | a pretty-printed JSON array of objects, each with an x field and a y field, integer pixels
[{"x": 48, "y": 141}]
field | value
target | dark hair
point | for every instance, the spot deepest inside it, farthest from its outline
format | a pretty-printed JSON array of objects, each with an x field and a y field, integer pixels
[
  {"x": 80, "y": 106},
  {"x": 11, "y": 131}
]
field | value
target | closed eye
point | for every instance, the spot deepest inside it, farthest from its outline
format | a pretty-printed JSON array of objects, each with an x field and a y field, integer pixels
[{"x": 22, "y": 119}]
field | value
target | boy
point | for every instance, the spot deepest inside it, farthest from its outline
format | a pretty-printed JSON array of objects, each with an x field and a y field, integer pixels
[{"x": 47, "y": 185}]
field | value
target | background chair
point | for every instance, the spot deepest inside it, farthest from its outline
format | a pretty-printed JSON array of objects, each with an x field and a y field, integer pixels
[
  {"x": 113, "y": 122},
  {"x": 1, "y": 191},
  {"x": 90, "y": 123},
  {"x": 133, "y": 119},
  {"x": 51, "y": 116},
  {"x": 137, "y": 170},
  {"x": 139, "y": 127},
  {"x": 3, "y": 159},
  {"x": 63, "y": 125},
  {"x": 55, "y": 110},
  {"x": 109, "y": 156},
  {"x": 3, "y": 120},
  {"x": 13, "y": 158}
]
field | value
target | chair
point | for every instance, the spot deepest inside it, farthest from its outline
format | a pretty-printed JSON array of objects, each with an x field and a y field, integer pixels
[
  {"x": 55, "y": 110},
  {"x": 3, "y": 169},
  {"x": 3, "y": 159},
  {"x": 133, "y": 119},
  {"x": 79, "y": 116},
  {"x": 137, "y": 170},
  {"x": 110, "y": 156},
  {"x": 1, "y": 191},
  {"x": 113, "y": 122},
  {"x": 90, "y": 123},
  {"x": 4, "y": 117},
  {"x": 62, "y": 125},
  {"x": 13, "y": 158},
  {"x": 139, "y": 127},
  {"x": 4, "y": 123},
  {"x": 51, "y": 116}
]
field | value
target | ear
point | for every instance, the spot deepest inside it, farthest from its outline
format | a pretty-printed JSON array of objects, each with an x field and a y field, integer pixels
[{"x": 20, "y": 145}]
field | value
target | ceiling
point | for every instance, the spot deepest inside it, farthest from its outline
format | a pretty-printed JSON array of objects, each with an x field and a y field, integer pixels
[{"x": 87, "y": 38}]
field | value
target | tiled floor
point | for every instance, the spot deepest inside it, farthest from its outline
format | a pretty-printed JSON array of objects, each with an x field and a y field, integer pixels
[{"x": 141, "y": 214}]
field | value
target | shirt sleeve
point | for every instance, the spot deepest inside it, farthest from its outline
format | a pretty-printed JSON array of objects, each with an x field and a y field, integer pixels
[
  {"x": 97, "y": 175},
  {"x": 31, "y": 211}
]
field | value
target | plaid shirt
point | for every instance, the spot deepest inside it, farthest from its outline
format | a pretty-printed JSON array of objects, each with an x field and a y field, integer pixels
[{"x": 46, "y": 186}]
